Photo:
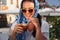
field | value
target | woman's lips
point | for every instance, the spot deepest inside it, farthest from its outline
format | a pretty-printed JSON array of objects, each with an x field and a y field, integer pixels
[{"x": 28, "y": 17}]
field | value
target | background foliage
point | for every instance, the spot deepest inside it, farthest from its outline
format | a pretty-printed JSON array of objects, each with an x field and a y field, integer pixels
[{"x": 55, "y": 29}]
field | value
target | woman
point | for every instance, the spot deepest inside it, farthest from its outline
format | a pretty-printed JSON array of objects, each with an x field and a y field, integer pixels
[{"x": 28, "y": 15}]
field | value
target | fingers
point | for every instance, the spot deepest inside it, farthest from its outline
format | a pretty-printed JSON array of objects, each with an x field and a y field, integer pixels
[
  {"x": 20, "y": 31},
  {"x": 21, "y": 28},
  {"x": 18, "y": 28},
  {"x": 35, "y": 21}
]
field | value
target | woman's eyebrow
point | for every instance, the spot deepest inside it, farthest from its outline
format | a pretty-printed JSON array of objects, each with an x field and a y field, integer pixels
[
  {"x": 29, "y": 8},
  {"x": 23, "y": 8}
]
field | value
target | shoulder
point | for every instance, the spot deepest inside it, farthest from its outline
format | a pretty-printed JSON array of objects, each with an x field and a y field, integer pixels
[
  {"x": 45, "y": 23},
  {"x": 45, "y": 29},
  {"x": 45, "y": 26}
]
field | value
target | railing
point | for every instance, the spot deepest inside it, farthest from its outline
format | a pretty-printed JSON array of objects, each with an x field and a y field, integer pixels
[
  {"x": 50, "y": 13},
  {"x": 14, "y": 11}
]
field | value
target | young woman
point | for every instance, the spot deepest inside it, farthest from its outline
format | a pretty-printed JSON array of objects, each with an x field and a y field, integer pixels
[{"x": 28, "y": 15}]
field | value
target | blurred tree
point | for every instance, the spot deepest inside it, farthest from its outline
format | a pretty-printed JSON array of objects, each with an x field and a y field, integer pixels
[
  {"x": 42, "y": 0},
  {"x": 55, "y": 30}
]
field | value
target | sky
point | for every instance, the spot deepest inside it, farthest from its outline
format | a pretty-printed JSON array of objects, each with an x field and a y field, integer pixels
[{"x": 53, "y": 2}]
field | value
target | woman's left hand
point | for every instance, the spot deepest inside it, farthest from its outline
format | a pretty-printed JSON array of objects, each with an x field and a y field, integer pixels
[{"x": 35, "y": 21}]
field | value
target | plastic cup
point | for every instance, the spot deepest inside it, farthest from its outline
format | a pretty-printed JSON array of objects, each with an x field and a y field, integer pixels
[{"x": 24, "y": 26}]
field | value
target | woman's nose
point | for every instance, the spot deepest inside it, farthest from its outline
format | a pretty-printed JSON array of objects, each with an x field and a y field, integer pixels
[{"x": 27, "y": 11}]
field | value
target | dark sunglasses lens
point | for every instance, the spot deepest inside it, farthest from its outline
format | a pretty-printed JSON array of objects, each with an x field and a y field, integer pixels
[
  {"x": 23, "y": 10},
  {"x": 30, "y": 10}
]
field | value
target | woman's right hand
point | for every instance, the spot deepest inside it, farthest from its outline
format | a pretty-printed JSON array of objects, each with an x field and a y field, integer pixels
[{"x": 18, "y": 29}]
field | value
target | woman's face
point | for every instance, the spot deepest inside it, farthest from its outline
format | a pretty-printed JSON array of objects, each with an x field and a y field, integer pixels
[{"x": 28, "y": 9}]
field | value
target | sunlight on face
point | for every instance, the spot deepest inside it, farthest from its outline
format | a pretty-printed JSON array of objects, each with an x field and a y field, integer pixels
[{"x": 29, "y": 8}]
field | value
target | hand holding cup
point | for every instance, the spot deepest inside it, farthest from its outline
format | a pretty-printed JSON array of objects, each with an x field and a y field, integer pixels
[{"x": 20, "y": 28}]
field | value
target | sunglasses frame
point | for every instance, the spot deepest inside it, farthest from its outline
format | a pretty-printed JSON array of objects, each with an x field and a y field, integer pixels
[{"x": 29, "y": 10}]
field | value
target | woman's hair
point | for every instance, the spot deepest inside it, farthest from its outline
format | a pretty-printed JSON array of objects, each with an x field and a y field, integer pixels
[
  {"x": 27, "y": 0},
  {"x": 40, "y": 22}
]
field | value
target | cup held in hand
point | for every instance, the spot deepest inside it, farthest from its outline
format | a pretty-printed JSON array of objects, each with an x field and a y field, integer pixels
[{"x": 24, "y": 26}]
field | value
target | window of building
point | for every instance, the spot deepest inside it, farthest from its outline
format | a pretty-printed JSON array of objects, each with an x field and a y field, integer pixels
[
  {"x": 3, "y": 21},
  {"x": 6, "y": 20},
  {"x": 3, "y": 2},
  {"x": 11, "y": 1}
]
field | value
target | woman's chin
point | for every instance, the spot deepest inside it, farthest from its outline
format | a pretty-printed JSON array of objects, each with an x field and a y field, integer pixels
[
  {"x": 30, "y": 30},
  {"x": 27, "y": 17}
]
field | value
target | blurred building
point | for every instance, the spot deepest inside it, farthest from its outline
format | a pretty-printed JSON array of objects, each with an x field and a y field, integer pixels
[
  {"x": 11, "y": 18},
  {"x": 3, "y": 21},
  {"x": 9, "y": 4},
  {"x": 9, "y": 10}
]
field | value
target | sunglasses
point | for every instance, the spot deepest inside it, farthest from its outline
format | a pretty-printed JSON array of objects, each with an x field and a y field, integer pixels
[{"x": 29, "y": 10}]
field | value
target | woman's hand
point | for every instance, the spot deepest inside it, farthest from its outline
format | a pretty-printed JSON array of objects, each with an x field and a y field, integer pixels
[
  {"x": 18, "y": 28},
  {"x": 35, "y": 21}
]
